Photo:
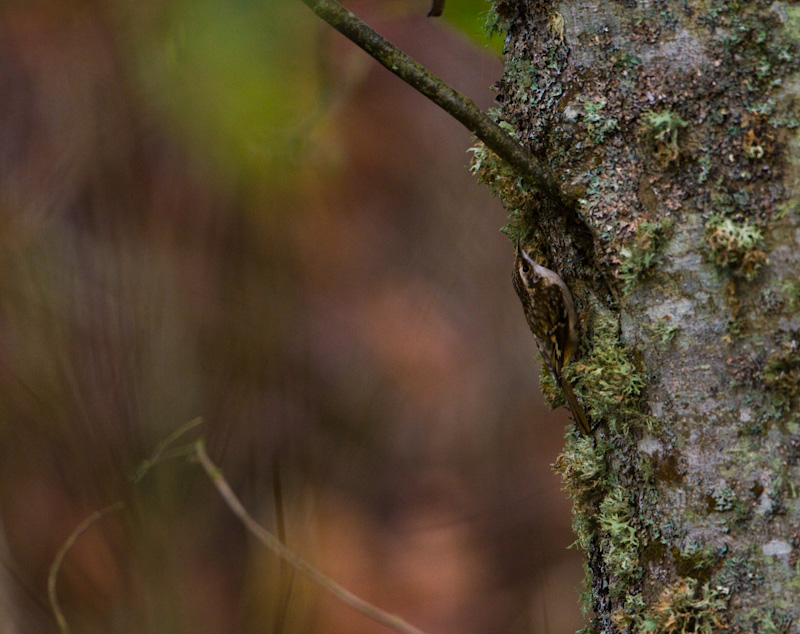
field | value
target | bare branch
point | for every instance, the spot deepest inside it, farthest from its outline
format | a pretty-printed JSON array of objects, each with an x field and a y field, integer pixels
[{"x": 454, "y": 103}]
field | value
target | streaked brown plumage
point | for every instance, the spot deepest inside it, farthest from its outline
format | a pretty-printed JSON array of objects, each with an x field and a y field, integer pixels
[{"x": 553, "y": 320}]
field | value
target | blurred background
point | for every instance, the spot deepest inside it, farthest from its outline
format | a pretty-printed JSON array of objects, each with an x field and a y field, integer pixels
[{"x": 222, "y": 209}]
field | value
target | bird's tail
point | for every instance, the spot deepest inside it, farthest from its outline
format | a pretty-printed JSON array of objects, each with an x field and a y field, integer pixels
[{"x": 577, "y": 411}]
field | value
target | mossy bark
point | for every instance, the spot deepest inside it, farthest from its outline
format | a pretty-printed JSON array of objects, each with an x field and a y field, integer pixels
[{"x": 676, "y": 124}]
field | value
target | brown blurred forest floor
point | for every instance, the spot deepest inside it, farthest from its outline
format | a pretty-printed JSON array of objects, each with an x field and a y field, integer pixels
[{"x": 341, "y": 317}]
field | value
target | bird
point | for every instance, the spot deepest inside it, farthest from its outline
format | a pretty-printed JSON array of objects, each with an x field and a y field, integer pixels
[{"x": 553, "y": 320}]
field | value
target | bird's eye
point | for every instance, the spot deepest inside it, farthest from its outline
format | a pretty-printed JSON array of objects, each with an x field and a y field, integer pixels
[{"x": 526, "y": 268}]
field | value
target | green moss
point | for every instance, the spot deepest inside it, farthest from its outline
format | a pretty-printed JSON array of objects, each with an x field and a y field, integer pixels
[
  {"x": 663, "y": 330},
  {"x": 585, "y": 596},
  {"x": 500, "y": 178},
  {"x": 604, "y": 513},
  {"x": 628, "y": 616},
  {"x": 739, "y": 574},
  {"x": 605, "y": 516},
  {"x": 695, "y": 561},
  {"x": 493, "y": 24},
  {"x": 555, "y": 22},
  {"x": 666, "y": 470},
  {"x": 626, "y": 61},
  {"x": 660, "y": 131},
  {"x": 722, "y": 499},
  {"x": 705, "y": 168},
  {"x": 781, "y": 374},
  {"x": 735, "y": 246},
  {"x": 584, "y": 473},
  {"x": 791, "y": 289},
  {"x": 644, "y": 252},
  {"x": 773, "y": 622},
  {"x": 686, "y": 607},
  {"x": 619, "y": 541},
  {"x": 605, "y": 519},
  {"x": 608, "y": 379},
  {"x": 597, "y": 125},
  {"x": 583, "y": 467},
  {"x": 654, "y": 552}
]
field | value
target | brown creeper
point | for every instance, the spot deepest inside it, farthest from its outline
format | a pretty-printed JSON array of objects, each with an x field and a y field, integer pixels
[{"x": 553, "y": 320}]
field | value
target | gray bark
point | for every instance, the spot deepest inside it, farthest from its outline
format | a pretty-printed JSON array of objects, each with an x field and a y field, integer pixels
[{"x": 676, "y": 124}]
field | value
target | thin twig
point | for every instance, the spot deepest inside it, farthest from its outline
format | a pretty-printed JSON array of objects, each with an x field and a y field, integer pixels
[
  {"x": 451, "y": 101},
  {"x": 59, "y": 558},
  {"x": 286, "y": 571},
  {"x": 272, "y": 542},
  {"x": 148, "y": 463}
]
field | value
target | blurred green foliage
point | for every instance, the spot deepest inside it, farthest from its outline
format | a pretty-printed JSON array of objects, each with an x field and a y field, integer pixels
[
  {"x": 235, "y": 78},
  {"x": 241, "y": 80},
  {"x": 469, "y": 17}
]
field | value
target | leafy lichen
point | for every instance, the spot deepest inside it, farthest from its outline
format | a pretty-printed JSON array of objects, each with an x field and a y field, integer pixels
[
  {"x": 663, "y": 330},
  {"x": 735, "y": 245},
  {"x": 608, "y": 379},
  {"x": 597, "y": 124},
  {"x": 660, "y": 130},
  {"x": 686, "y": 607},
  {"x": 619, "y": 541},
  {"x": 500, "y": 178},
  {"x": 781, "y": 373},
  {"x": 644, "y": 251},
  {"x": 791, "y": 289}
]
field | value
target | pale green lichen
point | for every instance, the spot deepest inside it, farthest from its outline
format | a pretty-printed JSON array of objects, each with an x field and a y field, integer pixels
[
  {"x": 660, "y": 130},
  {"x": 643, "y": 252},
  {"x": 791, "y": 289},
  {"x": 597, "y": 125},
  {"x": 619, "y": 540},
  {"x": 781, "y": 374},
  {"x": 608, "y": 379},
  {"x": 664, "y": 331},
  {"x": 774, "y": 621},
  {"x": 735, "y": 245},
  {"x": 500, "y": 178},
  {"x": 684, "y": 607}
]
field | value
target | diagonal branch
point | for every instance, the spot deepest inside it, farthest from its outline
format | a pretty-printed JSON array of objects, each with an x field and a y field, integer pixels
[
  {"x": 274, "y": 544},
  {"x": 451, "y": 101}
]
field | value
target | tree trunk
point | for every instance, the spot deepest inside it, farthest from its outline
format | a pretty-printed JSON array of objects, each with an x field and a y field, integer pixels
[{"x": 675, "y": 124}]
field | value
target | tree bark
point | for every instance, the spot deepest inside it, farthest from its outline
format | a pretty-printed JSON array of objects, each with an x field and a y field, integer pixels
[{"x": 676, "y": 124}]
